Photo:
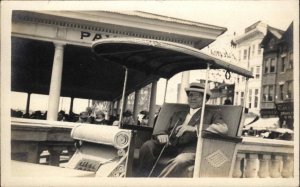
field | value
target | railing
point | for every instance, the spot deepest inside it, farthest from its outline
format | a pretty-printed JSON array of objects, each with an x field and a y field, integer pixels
[
  {"x": 264, "y": 158},
  {"x": 30, "y": 138},
  {"x": 256, "y": 157}
]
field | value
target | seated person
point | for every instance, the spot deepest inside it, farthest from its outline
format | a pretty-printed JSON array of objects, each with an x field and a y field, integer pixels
[
  {"x": 182, "y": 144},
  {"x": 83, "y": 118},
  {"x": 100, "y": 118},
  {"x": 143, "y": 118},
  {"x": 227, "y": 102},
  {"x": 26, "y": 115},
  {"x": 61, "y": 116},
  {"x": 113, "y": 117},
  {"x": 89, "y": 111},
  {"x": 36, "y": 115},
  {"x": 128, "y": 118},
  {"x": 285, "y": 136}
]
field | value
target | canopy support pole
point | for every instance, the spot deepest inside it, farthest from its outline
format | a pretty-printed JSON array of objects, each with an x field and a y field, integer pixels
[
  {"x": 28, "y": 102},
  {"x": 71, "y": 105},
  {"x": 199, "y": 130},
  {"x": 152, "y": 103},
  {"x": 244, "y": 107},
  {"x": 246, "y": 94},
  {"x": 123, "y": 96},
  {"x": 165, "y": 94}
]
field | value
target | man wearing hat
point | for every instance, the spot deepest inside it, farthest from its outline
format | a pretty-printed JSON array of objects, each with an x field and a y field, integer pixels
[
  {"x": 83, "y": 118},
  {"x": 100, "y": 118},
  {"x": 182, "y": 144}
]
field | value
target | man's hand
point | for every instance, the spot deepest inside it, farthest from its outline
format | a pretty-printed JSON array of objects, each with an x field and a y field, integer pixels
[
  {"x": 163, "y": 138},
  {"x": 218, "y": 128},
  {"x": 182, "y": 129}
]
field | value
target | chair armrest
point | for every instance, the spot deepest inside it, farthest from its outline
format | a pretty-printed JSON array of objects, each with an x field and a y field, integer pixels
[
  {"x": 137, "y": 127},
  {"x": 210, "y": 135}
]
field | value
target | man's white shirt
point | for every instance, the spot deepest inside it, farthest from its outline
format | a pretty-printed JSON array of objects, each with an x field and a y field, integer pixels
[{"x": 189, "y": 116}]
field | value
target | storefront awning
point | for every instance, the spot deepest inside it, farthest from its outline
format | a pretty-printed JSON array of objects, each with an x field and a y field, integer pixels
[{"x": 264, "y": 124}]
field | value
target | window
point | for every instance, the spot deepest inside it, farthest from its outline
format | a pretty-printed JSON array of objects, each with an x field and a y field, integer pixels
[
  {"x": 257, "y": 73},
  {"x": 281, "y": 92},
  {"x": 240, "y": 52},
  {"x": 236, "y": 98},
  {"x": 258, "y": 49},
  {"x": 18, "y": 100},
  {"x": 268, "y": 93},
  {"x": 242, "y": 98},
  {"x": 130, "y": 101},
  {"x": 283, "y": 63},
  {"x": 256, "y": 98},
  {"x": 289, "y": 89},
  {"x": 253, "y": 50},
  {"x": 249, "y": 53},
  {"x": 271, "y": 93},
  {"x": 267, "y": 66},
  {"x": 39, "y": 102},
  {"x": 144, "y": 98},
  {"x": 265, "y": 93},
  {"x": 64, "y": 104},
  {"x": 80, "y": 105},
  {"x": 252, "y": 70},
  {"x": 245, "y": 54},
  {"x": 272, "y": 65},
  {"x": 291, "y": 60},
  {"x": 250, "y": 98}
]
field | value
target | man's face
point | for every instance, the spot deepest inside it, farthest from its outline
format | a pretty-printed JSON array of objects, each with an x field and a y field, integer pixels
[
  {"x": 99, "y": 116},
  {"x": 195, "y": 99}
]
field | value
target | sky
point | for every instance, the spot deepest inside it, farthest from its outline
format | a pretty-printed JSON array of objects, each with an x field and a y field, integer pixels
[{"x": 233, "y": 15}]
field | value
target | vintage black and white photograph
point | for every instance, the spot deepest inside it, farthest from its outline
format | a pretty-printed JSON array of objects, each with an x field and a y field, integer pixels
[{"x": 150, "y": 93}]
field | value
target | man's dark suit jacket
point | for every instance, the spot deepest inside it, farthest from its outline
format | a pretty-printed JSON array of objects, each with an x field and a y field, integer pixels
[{"x": 188, "y": 141}]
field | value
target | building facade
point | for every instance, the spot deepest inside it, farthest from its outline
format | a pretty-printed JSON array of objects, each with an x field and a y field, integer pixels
[
  {"x": 269, "y": 72},
  {"x": 250, "y": 56},
  {"x": 277, "y": 80},
  {"x": 222, "y": 94},
  {"x": 284, "y": 93}
]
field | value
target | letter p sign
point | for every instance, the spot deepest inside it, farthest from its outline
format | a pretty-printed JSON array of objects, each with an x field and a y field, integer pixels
[{"x": 85, "y": 34}]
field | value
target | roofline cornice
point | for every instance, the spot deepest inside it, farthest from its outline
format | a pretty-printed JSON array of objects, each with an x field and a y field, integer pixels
[
  {"x": 248, "y": 36},
  {"x": 91, "y": 21}
]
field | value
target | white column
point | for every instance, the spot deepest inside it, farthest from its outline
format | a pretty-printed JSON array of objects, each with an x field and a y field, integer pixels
[
  {"x": 264, "y": 168},
  {"x": 185, "y": 79},
  {"x": 237, "y": 172},
  {"x": 251, "y": 167},
  {"x": 55, "y": 85}
]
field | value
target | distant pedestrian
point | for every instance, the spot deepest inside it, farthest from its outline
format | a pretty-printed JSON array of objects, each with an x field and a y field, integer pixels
[
  {"x": 100, "y": 118},
  {"x": 83, "y": 117},
  {"x": 227, "y": 102},
  {"x": 61, "y": 116}
]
